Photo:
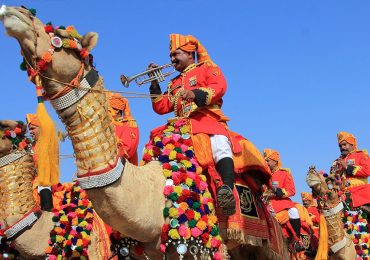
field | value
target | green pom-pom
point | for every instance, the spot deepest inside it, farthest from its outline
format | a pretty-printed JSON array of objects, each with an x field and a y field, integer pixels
[
  {"x": 214, "y": 231},
  {"x": 166, "y": 212},
  {"x": 196, "y": 205},
  {"x": 177, "y": 149},
  {"x": 23, "y": 66},
  {"x": 32, "y": 11},
  {"x": 62, "y": 27},
  {"x": 79, "y": 249},
  {"x": 49, "y": 23},
  {"x": 55, "y": 219},
  {"x": 349, "y": 231},
  {"x": 192, "y": 223},
  {"x": 173, "y": 196},
  {"x": 175, "y": 168}
]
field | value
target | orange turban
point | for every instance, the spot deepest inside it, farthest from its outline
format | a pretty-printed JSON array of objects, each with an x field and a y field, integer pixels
[
  {"x": 117, "y": 101},
  {"x": 32, "y": 119},
  {"x": 349, "y": 138},
  {"x": 306, "y": 196},
  {"x": 272, "y": 154},
  {"x": 189, "y": 44}
]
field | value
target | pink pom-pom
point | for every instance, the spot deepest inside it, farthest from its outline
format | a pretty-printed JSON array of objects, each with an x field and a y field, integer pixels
[
  {"x": 183, "y": 230},
  {"x": 217, "y": 256},
  {"x": 195, "y": 232},
  {"x": 215, "y": 242},
  {"x": 203, "y": 185},
  {"x": 163, "y": 248},
  {"x": 168, "y": 190}
]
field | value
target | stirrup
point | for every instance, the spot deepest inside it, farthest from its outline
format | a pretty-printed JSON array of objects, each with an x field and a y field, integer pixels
[{"x": 226, "y": 200}]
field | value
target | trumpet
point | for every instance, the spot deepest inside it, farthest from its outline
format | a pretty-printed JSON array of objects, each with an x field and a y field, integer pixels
[{"x": 149, "y": 75}]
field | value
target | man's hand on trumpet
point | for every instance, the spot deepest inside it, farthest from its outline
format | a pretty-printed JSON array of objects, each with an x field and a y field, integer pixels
[{"x": 152, "y": 66}]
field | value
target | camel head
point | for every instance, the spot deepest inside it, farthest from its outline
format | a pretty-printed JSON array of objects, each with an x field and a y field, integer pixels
[
  {"x": 56, "y": 53},
  {"x": 323, "y": 188},
  {"x": 9, "y": 131}
]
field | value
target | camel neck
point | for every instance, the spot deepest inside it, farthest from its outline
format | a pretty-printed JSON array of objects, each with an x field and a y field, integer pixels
[
  {"x": 90, "y": 128},
  {"x": 16, "y": 191}
]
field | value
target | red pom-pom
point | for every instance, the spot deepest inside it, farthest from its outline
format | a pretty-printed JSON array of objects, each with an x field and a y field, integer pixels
[
  {"x": 49, "y": 28},
  {"x": 41, "y": 64},
  {"x": 205, "y": 238},
  {"x": 189, "y": 214}
]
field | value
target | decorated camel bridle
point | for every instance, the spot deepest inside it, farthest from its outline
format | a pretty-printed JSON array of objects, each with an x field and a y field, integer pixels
[{"x": 21, "y": 146}]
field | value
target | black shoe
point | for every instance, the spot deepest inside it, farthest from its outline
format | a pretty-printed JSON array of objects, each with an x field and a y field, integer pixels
[
  {"x": 226, "y": 200},
  {"x": 46, "y": 199},
  {"x": 298, "y": 247}
]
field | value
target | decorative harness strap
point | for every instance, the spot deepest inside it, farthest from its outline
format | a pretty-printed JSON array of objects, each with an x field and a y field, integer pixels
[
  {"x": 339, "y": 245},
  {"x": 100, "y": 180},
  {"x": 333, "y": 211},
  {"x": 77, "y": 93},
  {"x": 330, "y": 212},
  {"x": 28, "y": 220},
  {"x": 5, "y": 160}
]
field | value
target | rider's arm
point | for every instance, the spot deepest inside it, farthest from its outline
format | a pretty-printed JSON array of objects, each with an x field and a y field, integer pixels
[
  {"x": 361, "y": 168},
  {"x": 215, "y": 87},
  {"x": 160, "y": 102},
  {"x": 288, "y": 188}
]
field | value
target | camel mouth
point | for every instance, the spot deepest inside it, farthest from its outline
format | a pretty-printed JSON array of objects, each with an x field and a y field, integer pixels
[{"x": 14, "y": 21}]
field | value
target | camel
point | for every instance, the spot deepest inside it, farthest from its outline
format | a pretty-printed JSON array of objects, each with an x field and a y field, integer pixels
[
  {"x": 18, "y": 205},
  {"x": 330, "y": 205},
  {"x": 111, "y": 182}
]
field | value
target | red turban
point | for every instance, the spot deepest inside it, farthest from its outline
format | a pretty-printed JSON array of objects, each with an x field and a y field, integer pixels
[
  {"x": 349, "y": 138},
  {"x": 273, "y": 155},
  {"x": 32, "y": 119},
  {"x": 189, "y": 44}
]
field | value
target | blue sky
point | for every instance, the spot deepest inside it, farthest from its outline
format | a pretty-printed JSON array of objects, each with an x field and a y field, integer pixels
[{"x": 297, "y": 71}]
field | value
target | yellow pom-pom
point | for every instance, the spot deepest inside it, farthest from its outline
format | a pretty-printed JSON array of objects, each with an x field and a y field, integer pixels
[
  {"x": 59, "y": 239},
  {"x": 167, "y": 173},
  {"x": 172, "y": 155},
  {"x": 207, "y": 195},
  {"x": 173, "y": 212},
  {"x": 189, "y": 181},
  {"x": 174, "y": 234},
  {"x": 196, "y": 215},
  {"x": 178, "y": 190}
]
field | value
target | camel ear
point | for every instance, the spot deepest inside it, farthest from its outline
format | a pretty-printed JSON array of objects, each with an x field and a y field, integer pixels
[{"x": 89, "y": 40}]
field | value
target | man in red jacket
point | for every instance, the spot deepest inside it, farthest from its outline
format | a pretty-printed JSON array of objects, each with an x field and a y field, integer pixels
[
  {"x": 282, "y": 188},
  {"x": 196, "y": 94},
  {"x": 355, "y": 165},
  {"x": 125, "y": 126}
]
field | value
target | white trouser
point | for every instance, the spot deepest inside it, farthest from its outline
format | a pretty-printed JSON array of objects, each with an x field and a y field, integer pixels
[
  {"x": 39, "y": 188},
  {"x": 293, "y": 213},
  {"x": 221, "y": 147}
]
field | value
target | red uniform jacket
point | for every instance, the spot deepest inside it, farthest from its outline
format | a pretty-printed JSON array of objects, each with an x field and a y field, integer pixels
[
  {"x": 209, "y": 86},
  {"x": 128, "y": 140},
  {"x": 357, "y": 173},
  {"x": 283, "y": 180}
]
